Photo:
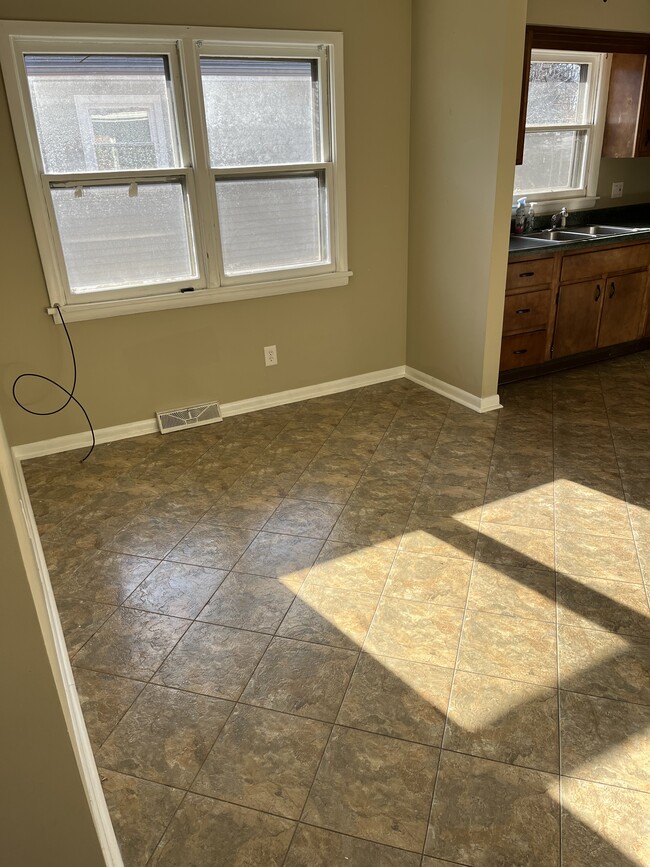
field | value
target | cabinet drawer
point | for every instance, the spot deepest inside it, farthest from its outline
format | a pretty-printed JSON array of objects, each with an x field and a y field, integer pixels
[
  {"x": 530, "y": 273},
  {"x": 627, "y": 258},
  {"x": 521, "y": 350},
  {"x": 527, "y": 311}
]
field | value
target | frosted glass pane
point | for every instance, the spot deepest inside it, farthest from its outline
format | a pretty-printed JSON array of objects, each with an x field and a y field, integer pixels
[
  {"x": 552, "y": 161},
  {"x": 261, "y": 112},
  {"x": 557, "y": 94},
  {"x": 111, "y": 240},
  {"x": 272, "y": 223},
  {"x": 102, "y": 113}
]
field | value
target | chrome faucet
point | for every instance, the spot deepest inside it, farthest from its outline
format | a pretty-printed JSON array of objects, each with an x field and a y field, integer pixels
[{"x": 561, "y": 217}]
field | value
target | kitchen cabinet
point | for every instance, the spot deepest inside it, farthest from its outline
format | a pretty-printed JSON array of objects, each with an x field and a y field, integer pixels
[
  {"x": 527, "y": 313},
  {"x": 578, "y": 314},
  {"x": 622, "y": 302},
  {"x": 627, "y": 117}
]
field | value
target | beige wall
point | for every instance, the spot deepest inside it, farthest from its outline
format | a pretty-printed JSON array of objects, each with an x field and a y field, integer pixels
[
  {"x": 466, "y": 76},
  {"x": 631, "y": 15},
  {"x": 132, "y": 365},
  {"x": 44, "y": 816}
]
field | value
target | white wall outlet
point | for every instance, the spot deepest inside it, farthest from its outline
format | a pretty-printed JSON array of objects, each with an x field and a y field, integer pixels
[
  {"x": 617, "y": 190},
  {"x": 270, "y": 355}
]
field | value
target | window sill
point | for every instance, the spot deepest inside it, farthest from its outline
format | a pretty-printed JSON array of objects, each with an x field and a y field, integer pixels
[
  {"x": 105, "y": 309},
  {"x": 550, "y": 206}
]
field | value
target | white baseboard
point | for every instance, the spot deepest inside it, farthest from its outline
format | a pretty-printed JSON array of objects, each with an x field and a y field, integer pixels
[
  {"x": 478, "y": 404},
  {"x": 82, "y": 440}
]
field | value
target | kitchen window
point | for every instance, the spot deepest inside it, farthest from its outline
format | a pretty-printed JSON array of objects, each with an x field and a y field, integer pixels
[
  {"x": 564, "y": 128},
  {"x": 169, "y": 168}
]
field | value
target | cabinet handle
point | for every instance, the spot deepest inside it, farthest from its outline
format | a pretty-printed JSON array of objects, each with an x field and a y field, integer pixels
[
  {"x": 612, "y": 290},
  {"x": 523, "y": 310},
  {"x": 527, "y": 274},
  {"x": 597, "y": 294},
  {"x": 519, "y": 351}
]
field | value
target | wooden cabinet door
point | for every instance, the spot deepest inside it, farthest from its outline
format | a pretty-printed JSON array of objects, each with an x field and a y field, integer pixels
[
  {"x": 643, "y": 136},
  {"x": 622, "y": 309},
  {"x": 578, "y": 314}
]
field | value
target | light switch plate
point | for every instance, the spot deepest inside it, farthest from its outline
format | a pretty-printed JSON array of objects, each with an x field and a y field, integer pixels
[{"x": 617, "y": 190}]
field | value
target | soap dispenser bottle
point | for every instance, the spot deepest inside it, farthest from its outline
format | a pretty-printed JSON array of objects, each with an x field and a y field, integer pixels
[{"x": 520, "y": 217}]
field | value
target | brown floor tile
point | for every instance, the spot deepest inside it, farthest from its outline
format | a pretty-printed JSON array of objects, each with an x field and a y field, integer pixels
[
  {"x": 327, "y": 615},
  {"x": 504, "y": 720},
  {"x": 605, "y": 741},
  {"x": 206, "y": 832},
  {"x": 61, "y": 557},
  {"x": 213, "y": 660},
  {"x": 512, "y": 590},
  {"x": 140, "y": 812},
  {"x": 265, "y": 760},
  {"x": 364, "y": 525},
  {"x": 424, "y": 577},
  {"x": 212, "y": 546},
  {"x": 324, "y": 487},
  {"x": 104, "y": 701},
  {"x": 509, "y": 647},
  {"x": 105, "y": 577},
  {"x": 614, "y": 606},
  {"x": 165, "y": 736},
  {"x": 417, "y": 631},
  {"x": 315, "y": 847},
  {"x": 440, "y": 536},
  {"x": 176, "y": 589},
  {"x": 131, "y": 643},
  {"x": 488, "y": 813},
  {"x": 347, "y": 567},
  {"x": 183, "y": 504},
  {"x": 304, "y": 518},
  {"x": 249, "y": 602},
  {"x": 147, "y": 536},
  {"x": 604, "y": 826},
  {"x": 301, "y": 678},
  {"x": 606, "y": 665},
  {"x": 360, "y": 774},
  {"x": 242, "y": 510},
  {"x": 279, "y": 556},
  {"x": 597, "y": 557},
  {"x": 80, "y": 620},
  {"x": 397, "y": 697}
]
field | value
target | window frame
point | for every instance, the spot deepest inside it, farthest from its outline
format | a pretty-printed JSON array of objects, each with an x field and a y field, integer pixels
[
  {"x": 183, "y": 46},
  {"x": 585, "y": 195}
]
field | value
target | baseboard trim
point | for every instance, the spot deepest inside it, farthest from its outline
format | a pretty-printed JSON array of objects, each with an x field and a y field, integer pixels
[
  {"x": 478, "y": 404},
  {"x": 238, "y": 407}
]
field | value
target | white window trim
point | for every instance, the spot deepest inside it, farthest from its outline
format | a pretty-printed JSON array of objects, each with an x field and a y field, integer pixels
[
  {"x": 182, "y": 45},
  {"x": 548, "y": 202}
]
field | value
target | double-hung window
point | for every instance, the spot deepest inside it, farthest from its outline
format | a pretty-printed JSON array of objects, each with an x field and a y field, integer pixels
[
  {"x": 563, "y": 127},
  {"x": 169, "y": 166}
]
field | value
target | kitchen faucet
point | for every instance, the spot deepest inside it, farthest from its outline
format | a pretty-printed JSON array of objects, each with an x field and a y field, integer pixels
[{"x": 561, "y": 217}]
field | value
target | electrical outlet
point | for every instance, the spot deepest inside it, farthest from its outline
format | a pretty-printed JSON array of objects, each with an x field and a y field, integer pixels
[
  {"x": 270, "y": 355},
  {"x": 617, "y": 190}
]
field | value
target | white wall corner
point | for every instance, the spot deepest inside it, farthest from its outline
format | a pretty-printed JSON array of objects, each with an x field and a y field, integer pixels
[{"x": 472, "y": 401}]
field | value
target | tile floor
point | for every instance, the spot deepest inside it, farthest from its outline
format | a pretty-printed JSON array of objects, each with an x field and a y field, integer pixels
[{"x": 373, "y": 629}]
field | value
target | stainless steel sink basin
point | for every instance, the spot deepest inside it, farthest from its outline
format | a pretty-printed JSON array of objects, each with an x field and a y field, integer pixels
[
  {"x": 527, "y": 242},
  {"x": 601, "y": 230},
  {"x": 558, "y": 235}
]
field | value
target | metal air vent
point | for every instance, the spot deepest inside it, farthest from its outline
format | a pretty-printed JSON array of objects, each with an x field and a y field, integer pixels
[{"x": 188, "y": 416}]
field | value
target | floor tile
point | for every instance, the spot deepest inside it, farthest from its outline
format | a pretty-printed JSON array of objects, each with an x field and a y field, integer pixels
[
  {"x": 213, "y": 660},
  {"x": 360, "y": 774},
  {"x": 276, "y": 555},
  {"x": 184, "y": 504},
  {"x": 348, "y": 567},
  {"x": 509, "y": 647},
  {"x": 417, "y": 631},
  {"x": 106, "y": 577},
  {"x": 327, "y": 615},
  {"x": 205, "y": 832},
  {"x": 364, "y": 525},
  {"x": 104, "y": 701},
  {"x": 399, "y": 698},
  {"x": 148, "y": 536},
  {"x": 606, "y": 557},
  {"x": 176, "y": 589},
  {"x": 529, "y": 508},
  {"x": 316, "y": 847},
  {"x": 440, "y": 536},
  {"x": 304, "y": 518},
  {"x": 487, "y": 813},
  {"x": 140, "y": 811},
  {"x": 606, "y": 665},
  {"x": 504, "y": 720},
  {"x": 265, "y": 760},
  {"x": 165, "y": 736},
  {"x": 61, "y": 557},
  {"x": 523, "y": 547},
  {"x": 302, "y": 678},
  {"x": 212, "y": 546},
  {"x": 605, "y": 741},
  {"x": 242, "y": 510},
  {"x": 600, "y": 517},
  {"x": 424, "y": 577},
  {"x": 614, "y": 606},
  {"x": 131, "y": 643},
  {"x": 249, "y": 602},
  {"x": 80, "y": 620},
  {"x": 512, "y": 590},
  {"x": 604, "y": 826}
]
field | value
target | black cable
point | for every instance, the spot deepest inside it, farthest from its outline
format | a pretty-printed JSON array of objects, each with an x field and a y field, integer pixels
[{"x": 59, "y": 386}]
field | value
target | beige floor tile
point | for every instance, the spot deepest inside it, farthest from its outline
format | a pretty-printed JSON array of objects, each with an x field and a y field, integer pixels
[
  {"x": 165, "y": 736},
  {"x": 486, "y": 813},
  {"x": 104, "y": 699},
  {"x": 441, "y": 536},
  {"x": 176, "y": 589},
  {"x": 279, "y": 556},
  {"x": 504, "y": 720},
  {"x": 614, "y": 606},
  {"x": 301, "y": 678},
  {"x": 416, "y": 631},
  {"x": 604, "y": 826},
  {"x": 530, "y": 508},
  {"x": 363, "y": 525},
  {"x": 397, "y": 697},
  {"x": 348, "y": 567},
  {"x": 360, "y": 774},
  {"x": 249, "y": 602},
  {"x": 205, "y": 832},
  {"x": 265, "y": 760},
  {"x": 246, "y": 511},
  {"x": 424, "y": 577},
  {"x": 599, "y": 517},
  {"x": 213, "y": 546},
  {"x": 316, "y": 847},
  {"x": 509, "y": 647},
  {"x": 140, "y": 811},
  {"x": 105, "y": 577},
  {"x": 512, "y": 590},
  {"x": 523, "y": 547},
  {"x": 213, "y": 660},
  {"x": 605, "y": 741},
  {"x": 597, "y": 557},
  {"x": 80, "y": 620},
  {"x": 327, "y": 615}
]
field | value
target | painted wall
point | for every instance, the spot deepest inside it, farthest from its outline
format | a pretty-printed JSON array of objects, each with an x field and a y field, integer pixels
[
  {"x": 132, "y": 365},
  {"x": 466, "y": 78},
  {"x": 633, "y": 15},
  {"x": 44, "y": 816}
]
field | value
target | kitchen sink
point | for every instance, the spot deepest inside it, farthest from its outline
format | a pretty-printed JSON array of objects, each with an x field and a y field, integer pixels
[
  {"x": 601, "y": 230},
  {"x": 559, "y": 235},
  {"x": 527, "y": 242}
]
